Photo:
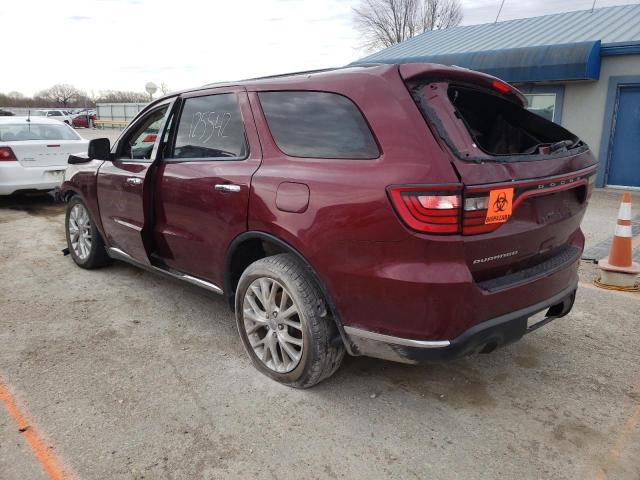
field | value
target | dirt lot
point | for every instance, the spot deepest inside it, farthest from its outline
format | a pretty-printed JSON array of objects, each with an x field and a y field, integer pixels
[{"x": 123, "y": 374}]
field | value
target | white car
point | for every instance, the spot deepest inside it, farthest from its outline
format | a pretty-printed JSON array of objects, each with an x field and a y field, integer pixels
[
  {"x": 34, "y": 153},
  {"x": 55, "y": 113}
]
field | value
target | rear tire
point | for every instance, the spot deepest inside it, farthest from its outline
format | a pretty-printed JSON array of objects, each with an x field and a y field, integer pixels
[
  {"x": 84, "y": 242},
  {"x": 283, "y": 323}
]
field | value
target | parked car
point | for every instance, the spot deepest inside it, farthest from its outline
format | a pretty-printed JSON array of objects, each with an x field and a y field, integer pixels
[
  {"x": 6, "y": 113},
  {"x": 411, "y": 213},
  {"x": 34, "y": 153},
  {"x": 83, "y": 120},
  {"x": 57, "y": 114}
]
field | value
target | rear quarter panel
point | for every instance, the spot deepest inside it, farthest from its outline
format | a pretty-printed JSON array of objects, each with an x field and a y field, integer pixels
[{"x": 349, "y": 228}]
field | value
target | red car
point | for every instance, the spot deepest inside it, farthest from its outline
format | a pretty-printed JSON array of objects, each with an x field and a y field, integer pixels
[
  {"x": 414, "y": 212},
  {"x": 82, "y": 120}
]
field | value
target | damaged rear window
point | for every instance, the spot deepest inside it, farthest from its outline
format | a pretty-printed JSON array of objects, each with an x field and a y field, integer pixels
[{"x": 489, "y": 125}]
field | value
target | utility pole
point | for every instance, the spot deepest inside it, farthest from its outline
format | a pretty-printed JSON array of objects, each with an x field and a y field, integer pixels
[
  {"x": 593, "y": 6},
  {"x": 499, "y": 11}
]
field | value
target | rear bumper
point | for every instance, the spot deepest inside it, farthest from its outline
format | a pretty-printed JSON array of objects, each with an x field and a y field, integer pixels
[
  {"x": 15, "y": 177},
  {"x": 481, "y": 338}
]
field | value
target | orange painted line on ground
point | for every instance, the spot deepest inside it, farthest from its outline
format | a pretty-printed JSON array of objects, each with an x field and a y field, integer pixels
[{"x": 44, "y": 455}]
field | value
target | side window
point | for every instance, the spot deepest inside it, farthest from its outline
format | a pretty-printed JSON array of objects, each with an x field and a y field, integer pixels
[
  {"x": 139, "y": 143},
  {"x": 211, "y": 127},
  {"x": 318, "y": 125},
  {"x": 55, "y": 114}
]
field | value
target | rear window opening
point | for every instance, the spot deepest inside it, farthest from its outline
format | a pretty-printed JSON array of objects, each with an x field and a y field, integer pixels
[{"x": 501, "y": 127}]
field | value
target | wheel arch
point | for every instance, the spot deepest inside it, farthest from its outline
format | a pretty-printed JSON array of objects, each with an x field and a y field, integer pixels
[
  {"x": 70, "y": 190},
  {"x": 66, "y": 194},
  {"x": 250, "y": 246}
]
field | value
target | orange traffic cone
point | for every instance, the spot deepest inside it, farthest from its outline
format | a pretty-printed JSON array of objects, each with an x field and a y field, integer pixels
[{"x": 620, "y": 255}]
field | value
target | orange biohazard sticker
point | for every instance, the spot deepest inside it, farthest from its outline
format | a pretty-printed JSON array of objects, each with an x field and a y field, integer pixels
[{"x": 500, "y": 206}]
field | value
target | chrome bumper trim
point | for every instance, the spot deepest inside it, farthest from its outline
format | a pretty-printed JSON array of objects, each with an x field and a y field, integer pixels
[{"x": 407, "y": 342}]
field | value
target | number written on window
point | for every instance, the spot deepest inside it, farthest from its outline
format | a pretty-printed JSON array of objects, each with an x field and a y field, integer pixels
[
  {"x": 213, "y": 123},
  {"x": 211, "y": 127}
]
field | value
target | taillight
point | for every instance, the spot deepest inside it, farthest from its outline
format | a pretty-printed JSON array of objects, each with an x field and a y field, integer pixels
[
  {"x": 428, "y": 211},
  {"x": 444, "y": 210},
  {"x": 7, "y": 155},
  {"x": 474, "y": 215},
  {"x": 150, "y": 138},
  {"x": 501, "y": 87}
]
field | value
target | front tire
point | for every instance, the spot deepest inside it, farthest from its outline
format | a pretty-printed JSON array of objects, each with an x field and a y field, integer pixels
[
  {"x": 84, "y": 242},
  {"x": 283, "y": 323}
]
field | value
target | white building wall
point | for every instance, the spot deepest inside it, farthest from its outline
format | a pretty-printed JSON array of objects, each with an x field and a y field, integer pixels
[{"x": 584, "y": 103}]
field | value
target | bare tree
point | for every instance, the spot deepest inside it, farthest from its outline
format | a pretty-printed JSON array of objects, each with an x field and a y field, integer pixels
[
  {"x": 164, "y": 88},
  {"x": 13, "y": 99},
  {"x": 383, "y": 23},
  {"x": 61, "y": 94}
]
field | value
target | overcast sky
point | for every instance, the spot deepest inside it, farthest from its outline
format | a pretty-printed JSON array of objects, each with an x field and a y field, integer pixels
[{"x": 122, "y": 44}]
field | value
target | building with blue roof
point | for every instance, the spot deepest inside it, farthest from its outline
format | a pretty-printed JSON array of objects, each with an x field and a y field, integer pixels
[{"x": 580, "y": 69}]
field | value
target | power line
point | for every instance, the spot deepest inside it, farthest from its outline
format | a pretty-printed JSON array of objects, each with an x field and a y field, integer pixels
[{"x": 500, "y": 11}]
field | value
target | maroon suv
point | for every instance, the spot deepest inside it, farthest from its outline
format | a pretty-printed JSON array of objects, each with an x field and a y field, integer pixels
[{"x": 414, "y": 212}]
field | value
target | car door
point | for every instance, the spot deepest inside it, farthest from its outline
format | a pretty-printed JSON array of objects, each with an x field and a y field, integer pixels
[
  {"x": 124, "y": 185},
  {"x": 202, "y": 185}
]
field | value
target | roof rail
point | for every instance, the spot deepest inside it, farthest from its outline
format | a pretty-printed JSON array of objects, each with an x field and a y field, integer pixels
[{"x": 291, "y": 74}]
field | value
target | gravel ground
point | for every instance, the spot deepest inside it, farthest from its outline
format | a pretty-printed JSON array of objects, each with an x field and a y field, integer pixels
[{"x": 125, "y": 374}]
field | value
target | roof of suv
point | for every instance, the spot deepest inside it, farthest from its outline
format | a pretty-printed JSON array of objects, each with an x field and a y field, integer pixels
[
  {"x": 321, "y": 79},
  {"x": 289, "y": 78}
]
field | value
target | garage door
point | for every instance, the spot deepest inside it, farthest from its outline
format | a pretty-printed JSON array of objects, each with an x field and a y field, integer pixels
[{"x": 624, "y": 154}]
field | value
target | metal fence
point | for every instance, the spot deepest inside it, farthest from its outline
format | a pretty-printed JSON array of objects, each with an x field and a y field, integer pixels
[{"x": 118, "y": 112}]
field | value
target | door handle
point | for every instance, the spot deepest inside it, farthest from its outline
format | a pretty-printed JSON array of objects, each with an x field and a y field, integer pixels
[
  {"x": 134, "y": 181},
  {"x": 227, "y": 187}
]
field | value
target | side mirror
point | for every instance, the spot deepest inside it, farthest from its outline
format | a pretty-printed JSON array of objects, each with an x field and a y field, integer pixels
[{"x": 100, "y": 149}]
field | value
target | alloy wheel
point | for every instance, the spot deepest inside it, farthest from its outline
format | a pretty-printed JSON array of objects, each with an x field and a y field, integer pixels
[
  {"x": 273, "y": 325},
  {"x": 80, "y": 231}
]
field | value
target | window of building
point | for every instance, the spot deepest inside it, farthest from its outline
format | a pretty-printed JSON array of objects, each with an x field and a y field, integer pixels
[
  {"x": 318, "y": 125},
  {"x": 543, "y": 104}
]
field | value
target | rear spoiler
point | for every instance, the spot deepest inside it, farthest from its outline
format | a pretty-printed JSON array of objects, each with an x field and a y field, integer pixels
[{"x": 411, "y": 72}]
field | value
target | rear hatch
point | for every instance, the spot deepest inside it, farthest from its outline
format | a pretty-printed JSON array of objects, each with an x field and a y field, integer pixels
[
  {"x": 42, "y": 144},
  {"x": 524, "y": 181}
]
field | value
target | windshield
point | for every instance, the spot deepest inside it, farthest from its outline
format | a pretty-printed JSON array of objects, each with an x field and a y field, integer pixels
[{"x": 27, "y": 131}]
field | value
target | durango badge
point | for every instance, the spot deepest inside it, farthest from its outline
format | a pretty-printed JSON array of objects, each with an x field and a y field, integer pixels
[{"x": 500, "y": 206}]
